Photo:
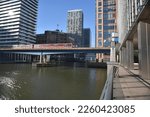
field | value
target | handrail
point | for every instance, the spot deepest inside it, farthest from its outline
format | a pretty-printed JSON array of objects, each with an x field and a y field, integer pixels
[{"x": 108, "y": 88}]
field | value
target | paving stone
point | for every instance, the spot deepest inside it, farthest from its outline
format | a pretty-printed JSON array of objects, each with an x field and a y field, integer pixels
[{"x": 128, "y": 87}]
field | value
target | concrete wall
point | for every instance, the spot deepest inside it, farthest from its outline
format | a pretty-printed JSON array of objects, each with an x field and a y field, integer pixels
[{"x": 144, "y": 49}]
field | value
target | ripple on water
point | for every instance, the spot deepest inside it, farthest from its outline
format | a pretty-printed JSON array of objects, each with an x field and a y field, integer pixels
[
  {"x": 3, "y": 98},
  {"x": 15, "y": 73},
  {"x": 7, "y": 81},
  {"x": 7, "y": 88}
]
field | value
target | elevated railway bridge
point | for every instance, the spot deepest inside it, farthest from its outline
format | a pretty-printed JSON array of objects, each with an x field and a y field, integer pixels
[{"x": 47, "y": 49}]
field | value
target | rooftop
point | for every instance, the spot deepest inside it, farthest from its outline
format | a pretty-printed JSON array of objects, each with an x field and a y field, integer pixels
[{"x": 74, "y": 10}]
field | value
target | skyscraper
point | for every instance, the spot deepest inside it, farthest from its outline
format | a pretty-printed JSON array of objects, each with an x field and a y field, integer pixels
[
  {"x": 75, "y": 25},
  {"x": 18, "y": 21},
  {"x": 105, "y": 21},
  {"x": 86, "y": 37}
]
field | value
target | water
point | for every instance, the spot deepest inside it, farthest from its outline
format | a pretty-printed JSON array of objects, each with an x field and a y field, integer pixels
[{"x": 70, "y": 82}]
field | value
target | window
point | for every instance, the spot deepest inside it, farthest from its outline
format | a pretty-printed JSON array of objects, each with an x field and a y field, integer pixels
[
  {"x": 99, "y": 4},
  {"x": 107, "y": 35},
  {"x": 99, "y": 21},
  {"x": 106, "y": 22},
  {"x": 108, "y": 27},
  {"x": 99, "y": 15},
  {"x": 99, "y": 9},
  {"x": 99, "y": 27},
  {"x": 107, "y": 43},
  {"x": 99, "y": 34},
  {"x": 99, "y": 42}
]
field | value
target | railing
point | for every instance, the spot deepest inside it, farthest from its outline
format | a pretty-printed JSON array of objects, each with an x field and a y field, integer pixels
[
  {"x": 140, "y": 5},
  {"x": 39, "y": 46},
  {"x": 108, "y": 88}
]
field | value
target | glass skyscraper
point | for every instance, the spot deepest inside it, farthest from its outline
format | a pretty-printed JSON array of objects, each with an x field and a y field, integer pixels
[
  {"x": 18, "y": 21},
  {"x": 105, "y": 22},
  {"x": 75, "y": 25}
]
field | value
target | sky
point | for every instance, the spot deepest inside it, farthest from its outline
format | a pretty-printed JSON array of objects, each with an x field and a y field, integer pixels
[{"x": 53, "y": 12}]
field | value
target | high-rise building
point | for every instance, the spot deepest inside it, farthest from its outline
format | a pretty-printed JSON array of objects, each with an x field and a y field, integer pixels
[
  {"x": 86, "y": 37},
  {"x": 75, "y": 25},
  {"x": 105, "y": 22},
  {"x": 18, "y": 21}
]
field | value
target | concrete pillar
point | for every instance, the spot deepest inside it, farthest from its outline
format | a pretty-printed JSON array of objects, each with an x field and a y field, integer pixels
[
  {"x": 44, "y": 58},
  {"x": 130, "y": 54},
  {"x": 41, "y": 56},
  {"x": 30, "y": 59},
  {"x": 113, "y": 55},
  {"x": 123, "y": 56},
  {"x": 144, "y": 49},
  {"x": 11, "y": 57},
  {"x": 15, "y": 57},
  {"x": 48, "y": 57},
  {"x": 100, "y": 57},
  {"x": 75, "y": 56},
  {"x": 120, "y": 56},
  {"x": 23, "y": 57},
  {"x": 113, "y": 52}
]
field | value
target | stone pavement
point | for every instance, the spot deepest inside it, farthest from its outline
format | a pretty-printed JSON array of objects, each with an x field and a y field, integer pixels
[{"x": 127, "y": 86}]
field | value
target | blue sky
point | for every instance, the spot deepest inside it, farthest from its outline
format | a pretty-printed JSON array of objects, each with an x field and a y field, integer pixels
[{"x": 53, "y": 12}]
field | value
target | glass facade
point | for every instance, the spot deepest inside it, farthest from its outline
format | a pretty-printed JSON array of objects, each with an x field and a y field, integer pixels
[
  {"x": 18, "y": 21},
  {"x": 105, "y": 21}
]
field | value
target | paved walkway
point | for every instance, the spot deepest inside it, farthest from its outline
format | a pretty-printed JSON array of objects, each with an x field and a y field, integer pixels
[{"x": 127, "y": 86}]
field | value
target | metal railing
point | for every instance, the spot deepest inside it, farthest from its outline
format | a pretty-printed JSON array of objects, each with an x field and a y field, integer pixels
[{"x": 108, "y": 88}]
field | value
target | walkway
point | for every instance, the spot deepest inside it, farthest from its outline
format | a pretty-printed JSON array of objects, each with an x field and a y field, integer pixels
[{"x": 127, "y": 86}]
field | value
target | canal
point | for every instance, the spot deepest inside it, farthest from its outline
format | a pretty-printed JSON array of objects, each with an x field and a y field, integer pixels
[{"x": 69, "y": 82}]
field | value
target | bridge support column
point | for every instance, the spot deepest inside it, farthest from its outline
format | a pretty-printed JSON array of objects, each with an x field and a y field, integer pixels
[
  {"x": 15, "y": 57},
  {"x": 75, "y": 56},
  {"x": 11, "y": 57},
  {"x": 144, "y": 49},
  {"x": 130, "y": 54},
  {"x": 48, "y": 57},
  {"x": 44, "y": 58},
  {"x": 100, "y": 57},
  {"x": 30, "y": 58},
  {"x": 23, "y": 58},
  {"x": 41, "y": 57}
]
